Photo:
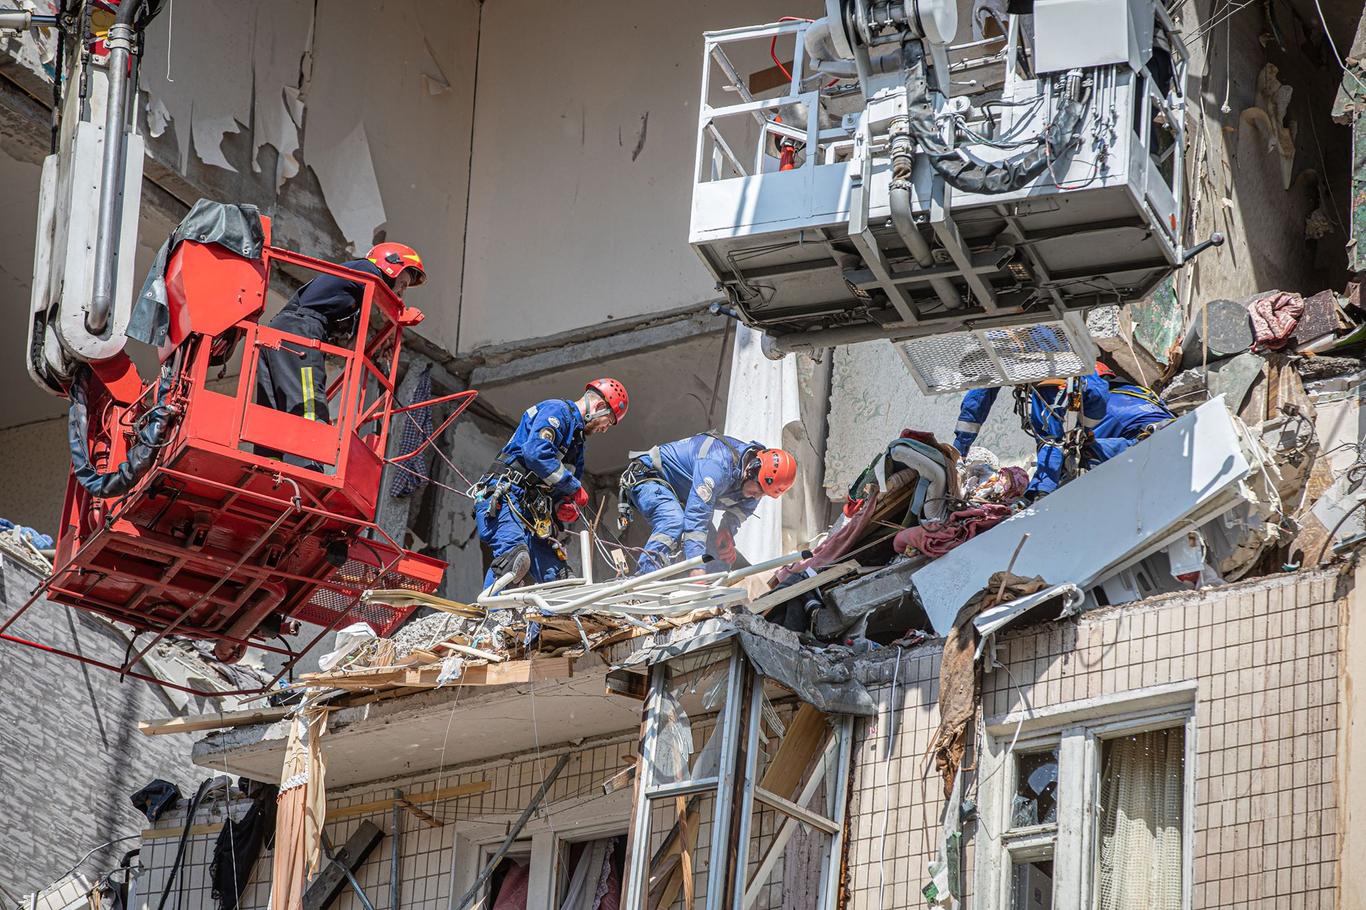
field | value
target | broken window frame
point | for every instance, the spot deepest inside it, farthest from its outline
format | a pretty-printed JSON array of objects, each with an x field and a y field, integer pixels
[
  {"x": 1078, "y": 731},
  {"x": 736, "y": 793}
]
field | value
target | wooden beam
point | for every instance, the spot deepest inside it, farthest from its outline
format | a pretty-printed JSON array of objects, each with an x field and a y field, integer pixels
[
  {"x": 794, "y": 811},
  {"x": 332, "y": 877},
  {"x": 411, "y": 801},
  {"x": 806, "y": 585},
  {"x": 511, "y": 673},
  {"x": 217, "y": 720}
]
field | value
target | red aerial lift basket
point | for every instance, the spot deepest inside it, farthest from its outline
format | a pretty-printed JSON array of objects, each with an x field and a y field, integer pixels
[{"x": 250, "y": 520}]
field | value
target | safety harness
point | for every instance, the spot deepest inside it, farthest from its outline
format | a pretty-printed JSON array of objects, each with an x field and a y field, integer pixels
[
  {"x": 638, "y": 472},
  {"x": 1066, "y": 410},
  {"x": 508, "y": 481}
]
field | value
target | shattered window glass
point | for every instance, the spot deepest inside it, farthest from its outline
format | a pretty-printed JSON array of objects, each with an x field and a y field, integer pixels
[{"x": 1035, "y": 801}]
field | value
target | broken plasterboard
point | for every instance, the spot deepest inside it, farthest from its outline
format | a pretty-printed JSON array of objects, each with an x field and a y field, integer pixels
[
  {"x": 1109, "y": 518},
  {"x": 346, "y": 172}
]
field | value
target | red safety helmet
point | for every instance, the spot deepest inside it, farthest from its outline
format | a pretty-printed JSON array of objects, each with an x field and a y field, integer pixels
[
  {"x": 1103, "y": 371},
  {"x": 777, "y": 471},
  {"x": 612, "y": 392},
  {"x": 393, "y": 258}
]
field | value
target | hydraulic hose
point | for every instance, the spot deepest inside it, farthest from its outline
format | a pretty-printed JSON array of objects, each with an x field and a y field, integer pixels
[
  {"x": 899, "y": 201},
  {"x": 969, "y": 174},
  {"x": 151, "y": 433},
  {"x": 120, "y": 44}
]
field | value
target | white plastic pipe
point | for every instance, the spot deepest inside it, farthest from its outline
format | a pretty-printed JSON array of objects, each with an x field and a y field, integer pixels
[{"x": 625, "y": 585}]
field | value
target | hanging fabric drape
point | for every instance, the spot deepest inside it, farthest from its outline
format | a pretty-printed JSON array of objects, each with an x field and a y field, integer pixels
[
  {"x": 590, "y": 878},
  {"x": 301, "y": 810},
  {"x": 1141, "y": 795}
]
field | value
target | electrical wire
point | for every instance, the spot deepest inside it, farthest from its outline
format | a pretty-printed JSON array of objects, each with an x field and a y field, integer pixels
[{"x": 76, "y": 865}]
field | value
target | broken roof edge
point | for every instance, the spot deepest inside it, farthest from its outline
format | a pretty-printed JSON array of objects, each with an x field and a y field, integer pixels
[
  {"x": 824, "y": 680},
  {"x": 373, "y": 712},
  {"x": 1343, "y": 572}
]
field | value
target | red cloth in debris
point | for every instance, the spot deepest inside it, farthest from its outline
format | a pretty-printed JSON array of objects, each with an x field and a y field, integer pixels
[
  {"x": 1274, "y": 318},
  {"x": 836, "y": 544},
  {"x": 512, "y": 894},
  {"x": 934, "y": 539}
]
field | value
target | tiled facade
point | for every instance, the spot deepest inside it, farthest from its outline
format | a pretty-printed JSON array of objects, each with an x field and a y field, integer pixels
[
  {"x": 1263, "y": 656},
  {"x": 1261, "y": 662},
  {"x": 427, "y": 852}
]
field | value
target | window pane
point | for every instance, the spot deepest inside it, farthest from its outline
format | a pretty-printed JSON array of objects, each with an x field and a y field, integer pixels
[
  {"x": 1141, "y": 808},
  {"x": 1036, "y": 789},
  {"x": 1031, "y": 885}
]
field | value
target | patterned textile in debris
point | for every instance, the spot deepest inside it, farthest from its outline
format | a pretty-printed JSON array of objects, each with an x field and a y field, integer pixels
[
  {"x": 1274, "y": 318},
  {"x": 415, "y": 428},
  {"x": 935, "y": 538}
]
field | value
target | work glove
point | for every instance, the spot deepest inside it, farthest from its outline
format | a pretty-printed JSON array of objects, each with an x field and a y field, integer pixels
[
  {"x": 410, "y": 316},
  {"x": 567, "y": 512},
  {"x": 581, "y": 497},
  {"x": 725, "y": 546}
]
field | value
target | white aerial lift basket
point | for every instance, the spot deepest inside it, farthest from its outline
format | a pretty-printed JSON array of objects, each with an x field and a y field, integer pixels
[
  {"x": 999, "y": 356},
  {"x": 969, "y": 202}
]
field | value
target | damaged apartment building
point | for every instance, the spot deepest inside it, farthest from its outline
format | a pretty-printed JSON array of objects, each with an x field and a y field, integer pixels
[{"x": 964, "y": 661}]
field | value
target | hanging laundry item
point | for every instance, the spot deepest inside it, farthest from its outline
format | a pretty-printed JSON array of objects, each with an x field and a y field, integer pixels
[
  {"x": 415, "y": 428},
  {"x": 1274, "y": 317},
  {"x": 935, "y": 538}
]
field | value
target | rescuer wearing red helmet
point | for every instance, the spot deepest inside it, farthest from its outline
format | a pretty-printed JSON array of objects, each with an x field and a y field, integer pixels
[
  {"x": 533, "y": 485},
  {"x": 293, "y": 377},
  {"x": 678, "y": 486}
]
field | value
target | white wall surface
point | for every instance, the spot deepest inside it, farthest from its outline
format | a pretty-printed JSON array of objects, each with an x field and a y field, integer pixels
[{"x": 585, "y": 125}]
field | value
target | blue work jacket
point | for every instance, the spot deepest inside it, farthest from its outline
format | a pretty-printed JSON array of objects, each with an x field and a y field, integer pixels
[
  {"x": 1047, "y": 413},
  {"x": 705, "y": 473},
  {"x": 548, "y": 443}
]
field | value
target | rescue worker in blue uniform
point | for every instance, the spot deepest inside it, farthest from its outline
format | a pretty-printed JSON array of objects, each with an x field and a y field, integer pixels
[
  {"x": 1043, "y": 408},
  {"x": 1132, "y": 414},
  {"x": 1114, "y": 416},
  {"x": 533, "y": 485},
  {"x": 678, "y": 486},
  {"x": 293, "y": 377}
]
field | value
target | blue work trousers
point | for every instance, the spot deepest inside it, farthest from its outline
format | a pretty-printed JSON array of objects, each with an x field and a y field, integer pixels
[
  {"x": 657, "y": 502},
  {"x": 503, "y": 533}
]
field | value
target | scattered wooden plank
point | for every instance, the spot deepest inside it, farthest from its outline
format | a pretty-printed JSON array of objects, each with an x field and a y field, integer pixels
[
  {"x": 805, "y": 586},
  {"x": 216, "y": 720},
  {"x": 506, "y": 674},
  {"x": 421, "y": 814},
  {"x": 804, "y": 741},
  {"x": 411, "y": 800},
  {"x": 458, "y": 648},
  {"x": 332, "y": 877}
]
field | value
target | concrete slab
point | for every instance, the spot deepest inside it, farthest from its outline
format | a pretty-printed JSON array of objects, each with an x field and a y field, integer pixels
[{"x": 1106, "y": 519}]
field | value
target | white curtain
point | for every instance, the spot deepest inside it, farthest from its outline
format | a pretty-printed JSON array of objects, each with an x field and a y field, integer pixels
[{"x": 1142, "y": 791}]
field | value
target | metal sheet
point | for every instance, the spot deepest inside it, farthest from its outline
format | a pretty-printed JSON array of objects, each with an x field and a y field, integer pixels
[{"x": 1106, "y": 519}]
